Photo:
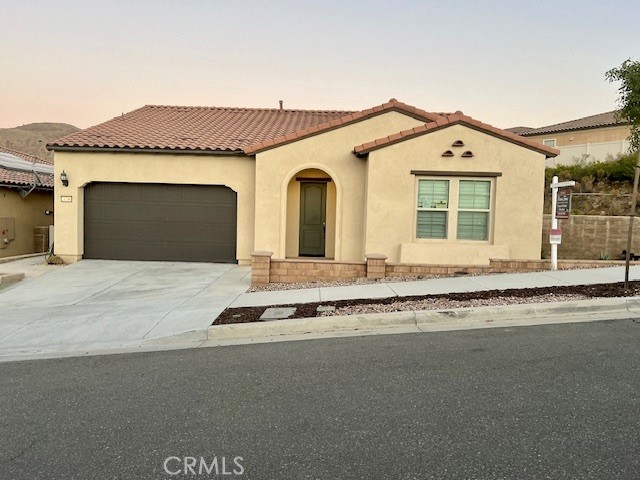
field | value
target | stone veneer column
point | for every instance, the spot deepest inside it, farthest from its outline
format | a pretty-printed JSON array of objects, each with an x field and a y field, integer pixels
[
  {"x": 376, "y": 265},
  {"x": 260, "y": 265}
]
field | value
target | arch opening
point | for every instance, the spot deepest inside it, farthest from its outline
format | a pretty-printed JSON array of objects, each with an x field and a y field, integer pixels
[{"x": 311, "y": 215}]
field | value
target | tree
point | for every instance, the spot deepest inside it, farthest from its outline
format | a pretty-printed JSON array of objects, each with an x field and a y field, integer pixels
[{"x": 629, "y": 101}]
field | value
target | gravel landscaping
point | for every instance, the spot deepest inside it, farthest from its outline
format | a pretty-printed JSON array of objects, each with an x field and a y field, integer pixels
[
  {"x": 442, "y": 304},
  {"x": 438, "y": 302},
  {"x": 272, "y": 287}
]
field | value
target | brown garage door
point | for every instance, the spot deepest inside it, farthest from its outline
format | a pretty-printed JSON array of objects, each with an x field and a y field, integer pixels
[{"x": 135, "y": 221}]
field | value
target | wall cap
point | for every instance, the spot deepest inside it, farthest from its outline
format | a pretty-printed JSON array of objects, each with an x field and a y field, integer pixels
[
  {"x": 375, "y": 256},
  {"x": 261, "y": 253},
  {"x": 316, "y": 260}
]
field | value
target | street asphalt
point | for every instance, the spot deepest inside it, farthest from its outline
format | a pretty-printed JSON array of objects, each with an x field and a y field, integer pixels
[{"x": 552, "y": 401}]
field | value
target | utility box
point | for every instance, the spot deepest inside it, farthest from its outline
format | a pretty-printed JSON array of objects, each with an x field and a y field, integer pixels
[
  {"x": 8, "y": 228},
  {"x": 7, "y": 231},
  {"x": 41, "y": 239}
]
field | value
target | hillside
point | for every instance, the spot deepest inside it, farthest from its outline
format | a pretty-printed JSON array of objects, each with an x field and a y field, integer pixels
[
  {"x": 602, "y": 188},
  {"x": 33, "y": 137}
]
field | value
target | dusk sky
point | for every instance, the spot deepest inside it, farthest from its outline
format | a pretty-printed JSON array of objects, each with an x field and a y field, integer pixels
[{"x": 506, "y": 63}]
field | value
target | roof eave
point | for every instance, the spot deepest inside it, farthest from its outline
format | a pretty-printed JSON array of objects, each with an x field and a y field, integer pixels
[
  {"x": 76, "y": 148},
  {"x": 20, "y": 186}
]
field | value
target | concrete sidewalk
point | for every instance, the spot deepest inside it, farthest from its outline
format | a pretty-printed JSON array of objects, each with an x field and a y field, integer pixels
[{"x": 439, "y": 285}]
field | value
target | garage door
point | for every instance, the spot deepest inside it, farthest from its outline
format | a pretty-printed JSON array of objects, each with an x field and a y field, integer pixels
[{"x": 134, "y": 221}]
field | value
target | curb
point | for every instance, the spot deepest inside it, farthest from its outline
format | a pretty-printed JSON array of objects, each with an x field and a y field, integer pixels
[
  {"x": 470, "y": 317},
  {"x": 21, "y": 257},
  {"x": 7, "y": 278}
]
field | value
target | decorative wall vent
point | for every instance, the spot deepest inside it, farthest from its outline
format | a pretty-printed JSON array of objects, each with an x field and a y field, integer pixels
[
  {"x": 467, "y": 154},
  {"x": 458, "y": 143},
  {"x": 448, "y": 153}
]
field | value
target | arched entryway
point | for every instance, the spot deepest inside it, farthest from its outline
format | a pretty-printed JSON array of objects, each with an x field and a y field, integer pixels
[{"x": 311, "y": 215}]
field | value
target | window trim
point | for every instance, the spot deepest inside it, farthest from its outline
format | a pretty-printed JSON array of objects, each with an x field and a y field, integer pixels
[
  {"x": 555, "y": 142},
  {"x": 452, "y": 210},
  {"x": 453, "y": 174}
]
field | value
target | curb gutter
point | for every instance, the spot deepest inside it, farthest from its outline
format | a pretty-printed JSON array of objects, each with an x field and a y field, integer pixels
[
  {"x": 21, "y": 257},
  {"x": 426, "y": 320},
  {"x": 7, "y": 278}
]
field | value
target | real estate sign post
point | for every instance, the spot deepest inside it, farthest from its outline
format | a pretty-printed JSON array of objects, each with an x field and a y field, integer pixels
[
  {"x": 632, "y": 215},
  {"x": 560, "y": 208}
]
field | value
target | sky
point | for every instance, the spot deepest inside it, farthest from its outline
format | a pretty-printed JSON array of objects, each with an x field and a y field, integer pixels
[{"x": 506, "y": 63}]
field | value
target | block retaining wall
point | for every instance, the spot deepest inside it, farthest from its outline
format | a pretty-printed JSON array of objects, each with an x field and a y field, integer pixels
[
  {"x": 267, "y": 270},
  {"x": 592, "y": 236}
]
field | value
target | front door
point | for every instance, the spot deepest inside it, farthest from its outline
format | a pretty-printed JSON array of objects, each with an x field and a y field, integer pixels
[{"x": 313, "y": 213}]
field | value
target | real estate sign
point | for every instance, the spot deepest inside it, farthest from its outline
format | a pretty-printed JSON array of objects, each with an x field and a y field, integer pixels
[
  {"x": 555, "y": 236},
  {"x": 563, "y": 204}
]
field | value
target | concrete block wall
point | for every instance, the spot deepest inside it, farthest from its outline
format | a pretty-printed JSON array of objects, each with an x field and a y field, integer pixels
[
  {"x": 587, "y": 236},
  {"x": 293, "y": 271},
  {"x": 301, "y": 270},
  {"x": 267, "y": 270}
]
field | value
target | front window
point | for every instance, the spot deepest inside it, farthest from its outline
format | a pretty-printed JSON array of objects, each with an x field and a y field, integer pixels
[
  {"x": 453, "y": 209},
  {"x": 550, "y": 142},
  {"x": 474, "y": 199},
  {"x": 433, "y": 208}
]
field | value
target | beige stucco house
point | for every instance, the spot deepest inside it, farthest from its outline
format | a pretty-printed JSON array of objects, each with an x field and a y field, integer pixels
[
  {"x": 26, "y": 202},
  {"x": 587, "y": 139},
  {"x": 215, "y": 184}
]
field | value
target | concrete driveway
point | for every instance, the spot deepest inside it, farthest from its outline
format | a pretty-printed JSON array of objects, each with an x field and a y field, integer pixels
[{"x": 99, "y": 305}]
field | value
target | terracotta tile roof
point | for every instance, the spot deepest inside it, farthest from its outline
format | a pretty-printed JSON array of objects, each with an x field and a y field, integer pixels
[
  {"x": 606, "y": 119},
  {"x": 204, "y": 129},
  {"x": 23, "y": 178},
  {"x": 352, "y": 117},
  {"x": 447, "y": 121}
]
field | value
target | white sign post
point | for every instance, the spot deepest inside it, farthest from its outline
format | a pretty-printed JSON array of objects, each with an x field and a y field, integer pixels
[{"x": 555, "y": 235}]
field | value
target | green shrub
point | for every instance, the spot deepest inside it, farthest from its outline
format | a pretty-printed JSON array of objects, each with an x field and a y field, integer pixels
[{"x": 620, "y": 169}]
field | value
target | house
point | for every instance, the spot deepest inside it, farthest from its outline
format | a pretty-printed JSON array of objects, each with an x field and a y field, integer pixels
[
  {"x": 215, "y": 184},
  {"x": 26, "y": 195},
  {"x": 589, "y": 139}
]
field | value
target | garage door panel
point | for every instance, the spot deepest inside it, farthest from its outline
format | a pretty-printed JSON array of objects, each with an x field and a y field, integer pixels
[
  {"x": 175, "y": 232},
  {"x": 151, "y": 250},
  {"x": 209, "y": 213},
  {"x": 160, "y": 222}
]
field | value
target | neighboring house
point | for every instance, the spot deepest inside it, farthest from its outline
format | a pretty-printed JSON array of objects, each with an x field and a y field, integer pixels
[
  {"x": 214, "y": 184},
  {"x": 26, "y": 193},
  {"x": 588, "y": 139}
]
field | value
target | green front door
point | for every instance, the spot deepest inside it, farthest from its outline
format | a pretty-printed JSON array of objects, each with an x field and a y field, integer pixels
[{"x": 313, "y": 215}]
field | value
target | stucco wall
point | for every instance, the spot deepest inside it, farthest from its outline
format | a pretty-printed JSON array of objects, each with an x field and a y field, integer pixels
[
  {"x": 594, "y": 135},
  {"x": 236, "y": 172},
  {"x": 28, "y": 213},
  {"x": 517, "y": 198},
  {"x": 331, "y": 153}
]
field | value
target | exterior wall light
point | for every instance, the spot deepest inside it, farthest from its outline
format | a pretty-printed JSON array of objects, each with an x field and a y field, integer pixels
[{"x": 64, "y": 179}]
